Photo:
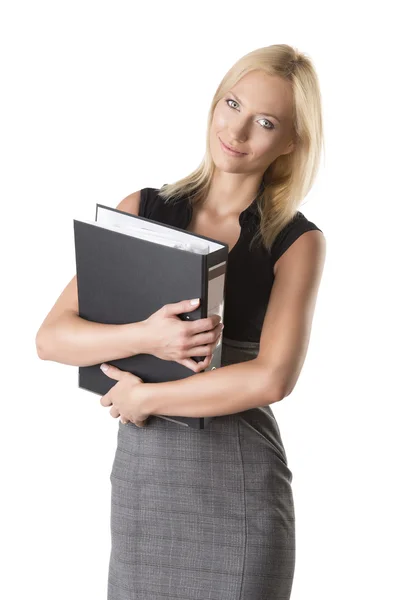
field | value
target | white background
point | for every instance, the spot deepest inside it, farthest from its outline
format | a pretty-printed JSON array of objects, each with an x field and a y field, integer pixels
[{"x": 100, "y": 99}]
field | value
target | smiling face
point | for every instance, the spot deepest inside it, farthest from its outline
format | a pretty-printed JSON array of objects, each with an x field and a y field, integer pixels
[{"x": 255, "y": 118}]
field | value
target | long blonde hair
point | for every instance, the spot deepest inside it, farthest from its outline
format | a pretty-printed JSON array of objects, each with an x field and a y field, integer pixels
[{"x": 289, "y": 178}]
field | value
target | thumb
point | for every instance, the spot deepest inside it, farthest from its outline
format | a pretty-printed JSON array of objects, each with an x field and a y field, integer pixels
[
  {"x": 197, "y": 367},
  {"x": 178, "y": 308}
]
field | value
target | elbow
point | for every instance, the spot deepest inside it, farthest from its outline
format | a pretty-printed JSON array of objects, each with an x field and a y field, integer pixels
[
  {"x": 270, "y": 392},
  {"x": 278, "y": 393},
  {"x": 41, "y": 346},
  {"x": 284, "y": 389},
  {"x": 273, "y": 388},
  {"x": 281, "y": 393}
]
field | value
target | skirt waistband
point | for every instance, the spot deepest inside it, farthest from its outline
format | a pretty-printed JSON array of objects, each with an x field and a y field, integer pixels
[{"x": 240, "y": 343}]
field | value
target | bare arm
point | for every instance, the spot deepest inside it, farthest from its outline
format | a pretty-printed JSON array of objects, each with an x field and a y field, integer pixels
[
  {"x": 67, "y": 338},
  {"x": 72, "y": 340},
  {"x": 283, "y": 346}
]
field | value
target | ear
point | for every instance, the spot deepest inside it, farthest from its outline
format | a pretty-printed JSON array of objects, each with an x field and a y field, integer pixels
[{"x": 291, "y": 146}]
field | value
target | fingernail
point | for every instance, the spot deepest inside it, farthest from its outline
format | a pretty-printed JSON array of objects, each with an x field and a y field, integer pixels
[
  {"x": 103, "y": 367},
  {"x": 194, "y": 301}
]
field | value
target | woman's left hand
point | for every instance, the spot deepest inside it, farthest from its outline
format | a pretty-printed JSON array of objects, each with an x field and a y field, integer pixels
[{"x": 125, "y": 396}]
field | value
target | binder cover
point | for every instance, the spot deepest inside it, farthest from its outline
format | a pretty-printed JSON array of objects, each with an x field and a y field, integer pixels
[{"x": 124, "y": 279}]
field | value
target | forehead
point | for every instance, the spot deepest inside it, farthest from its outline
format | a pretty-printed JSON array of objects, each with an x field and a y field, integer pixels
[{"x": 264, "y": 93}]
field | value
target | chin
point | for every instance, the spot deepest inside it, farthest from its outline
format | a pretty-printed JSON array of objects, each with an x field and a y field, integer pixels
[{"x": 227, "y": 168}]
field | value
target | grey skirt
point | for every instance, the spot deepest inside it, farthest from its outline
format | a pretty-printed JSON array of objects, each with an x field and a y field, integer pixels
[{"x": 202, "y": 514}]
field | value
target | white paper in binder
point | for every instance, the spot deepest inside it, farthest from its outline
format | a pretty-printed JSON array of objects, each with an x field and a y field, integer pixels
[{"x": 152, "y": 232}]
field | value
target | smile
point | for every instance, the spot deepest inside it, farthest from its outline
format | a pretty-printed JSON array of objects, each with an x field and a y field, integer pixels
[{"x": 231, "y": 152}]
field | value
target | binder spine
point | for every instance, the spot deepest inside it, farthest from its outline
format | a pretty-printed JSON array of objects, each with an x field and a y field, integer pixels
[
  {"x": 215, "y": 280},
  {"x": 204, "y": 291}
]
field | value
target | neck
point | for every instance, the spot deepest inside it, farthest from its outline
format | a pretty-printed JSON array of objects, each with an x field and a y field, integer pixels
[{"x": 229, "y": 197}]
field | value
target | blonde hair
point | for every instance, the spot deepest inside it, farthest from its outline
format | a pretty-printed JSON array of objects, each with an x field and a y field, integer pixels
[{"x": 289, "y": 178}]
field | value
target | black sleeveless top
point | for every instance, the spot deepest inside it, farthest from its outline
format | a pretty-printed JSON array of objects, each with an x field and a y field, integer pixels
[{"x": 249, "y": 275}]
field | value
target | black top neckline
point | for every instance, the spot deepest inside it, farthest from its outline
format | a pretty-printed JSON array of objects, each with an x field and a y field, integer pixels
[
  {"x": 247, "y": 220},
  {"x": 250, "y": 212}
]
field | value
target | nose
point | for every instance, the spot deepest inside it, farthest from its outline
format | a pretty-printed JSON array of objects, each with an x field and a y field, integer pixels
[
  {"x": 237, "y": 137},
  {"x": 238, "y": 133}
]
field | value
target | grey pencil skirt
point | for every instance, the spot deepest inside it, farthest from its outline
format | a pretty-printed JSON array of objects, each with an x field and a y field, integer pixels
[{"x": 202, "y": 514}]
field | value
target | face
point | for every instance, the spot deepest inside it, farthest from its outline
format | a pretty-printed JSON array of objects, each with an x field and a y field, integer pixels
[{"x": 255, "y": 118}]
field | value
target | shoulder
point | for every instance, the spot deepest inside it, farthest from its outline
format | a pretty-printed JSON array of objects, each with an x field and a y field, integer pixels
[
  {"x": 312, "y": 245},
  {"x": 291, "y": 232},
  {"x": 149, "y": 202},
  {"x": 156, "y": 208}
]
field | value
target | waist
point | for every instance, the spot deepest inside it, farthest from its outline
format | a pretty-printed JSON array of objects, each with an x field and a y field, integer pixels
[{"x": 235, "y": 351}]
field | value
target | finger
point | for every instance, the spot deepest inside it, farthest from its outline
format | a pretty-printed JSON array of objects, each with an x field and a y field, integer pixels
[
  {"x": 210, "y": 337},
  {"x": 202, "y": 325},
  {"x": 114, "y": 412},
  {"x": 106, "y": 400},
  {"x": 207, "y": 361},
  {"x": 190, "y": 364},
  {"x": 201, "y": 366},
  {"x": 207, "y": 357},
  {"x": 177, "y": 308},
  {"x": 199, "y": 351},
  {"x": 113, "y": 372}
]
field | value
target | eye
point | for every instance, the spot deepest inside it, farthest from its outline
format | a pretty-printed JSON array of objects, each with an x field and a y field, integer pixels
[
  {"x": 272, "y": 126},
  {"x": 230, "y": 100}
]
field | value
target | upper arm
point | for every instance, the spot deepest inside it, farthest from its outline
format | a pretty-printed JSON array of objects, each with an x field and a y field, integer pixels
[
  {"x": 67, "y": 302},
  {"x": 287, "y": 324}
]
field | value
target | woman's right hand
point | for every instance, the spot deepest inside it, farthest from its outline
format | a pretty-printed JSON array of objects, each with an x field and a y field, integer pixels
[{"x": 178, "y": 340}]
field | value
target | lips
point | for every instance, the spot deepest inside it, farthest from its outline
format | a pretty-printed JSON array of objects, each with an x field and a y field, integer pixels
[{"x": 232, "y": 149}]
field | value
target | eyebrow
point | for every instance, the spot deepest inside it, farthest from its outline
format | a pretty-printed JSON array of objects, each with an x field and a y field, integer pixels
[{"x": 261, "y": 113}]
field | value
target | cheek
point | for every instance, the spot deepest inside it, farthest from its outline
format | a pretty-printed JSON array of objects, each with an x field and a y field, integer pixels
[
  {"x": 220, "y": 119},
  {"x": 264, "y": 142},
  {"x": 262, "y": 146},
  {"x": 262, "y": 150}
]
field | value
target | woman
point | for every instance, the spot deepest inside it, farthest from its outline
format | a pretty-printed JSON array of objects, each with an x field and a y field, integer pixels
[{"x": 209, "y": 513}]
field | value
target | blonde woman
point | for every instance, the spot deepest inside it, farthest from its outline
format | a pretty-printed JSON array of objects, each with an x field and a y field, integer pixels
[{"x": 210, "y": 513}]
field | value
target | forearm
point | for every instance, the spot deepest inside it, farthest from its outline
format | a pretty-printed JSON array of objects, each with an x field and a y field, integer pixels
[
  {"x": 73, "y": 340},
  {"x": 224, "y": 391}
]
